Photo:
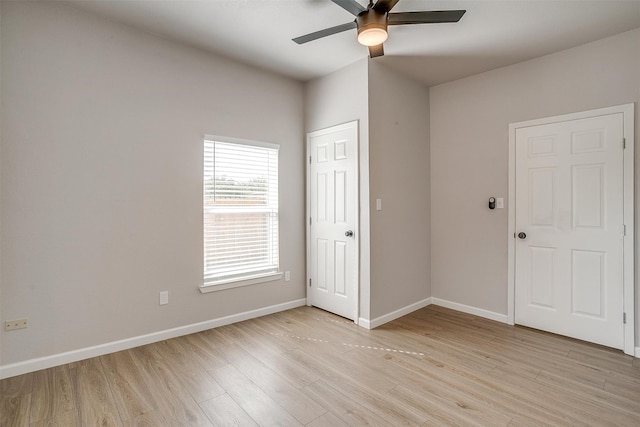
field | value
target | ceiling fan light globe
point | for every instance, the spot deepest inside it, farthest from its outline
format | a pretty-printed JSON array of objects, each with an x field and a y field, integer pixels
[{"x": 372, "y": 36}]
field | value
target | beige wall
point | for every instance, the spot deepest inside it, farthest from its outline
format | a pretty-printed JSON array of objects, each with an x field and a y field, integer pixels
[
  {"x": 337, "y": 98},
  {"x": 399, "y": 175},
  {"x": 469, "y": 146},
  {"x": 101, "y": 194}
]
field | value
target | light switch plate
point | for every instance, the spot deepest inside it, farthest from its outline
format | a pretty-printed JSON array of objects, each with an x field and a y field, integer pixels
[
  {"x": 378, "y": 204},
  {"x": 500, "y": 203}
]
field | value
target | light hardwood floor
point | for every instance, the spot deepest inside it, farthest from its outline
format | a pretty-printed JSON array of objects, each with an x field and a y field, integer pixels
[{"x": 308, "y": 367}]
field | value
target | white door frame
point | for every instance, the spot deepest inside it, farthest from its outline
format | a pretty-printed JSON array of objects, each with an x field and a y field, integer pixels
[
  {"x": 356, "y": 228},
  {"x": 629, "y": 212}
]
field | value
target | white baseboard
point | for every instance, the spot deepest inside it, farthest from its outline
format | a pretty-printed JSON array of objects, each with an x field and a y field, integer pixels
[
  {"x": 491, "y": 315},
  {"x": 637, "y": 352},
  {"x": 32, "y": 365},
  {"x": 374, "y": 323}
]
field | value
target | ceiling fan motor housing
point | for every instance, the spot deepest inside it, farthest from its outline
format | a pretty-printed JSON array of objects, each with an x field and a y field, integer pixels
[{"x": 371, "y": 19}]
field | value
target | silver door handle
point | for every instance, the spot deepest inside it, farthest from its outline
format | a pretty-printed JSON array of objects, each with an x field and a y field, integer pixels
[{"x": 349, "y": 233}]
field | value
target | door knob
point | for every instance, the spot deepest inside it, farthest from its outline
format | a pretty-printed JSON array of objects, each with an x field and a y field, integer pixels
[
  {"x": 522, "y": 235},
  {"x": 349, "y": 233}
]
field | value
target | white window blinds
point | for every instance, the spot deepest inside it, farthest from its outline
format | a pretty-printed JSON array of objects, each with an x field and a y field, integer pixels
[{"x": 240, "y": 211}]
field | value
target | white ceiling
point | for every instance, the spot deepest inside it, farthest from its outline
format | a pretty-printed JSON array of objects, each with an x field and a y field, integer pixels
[{"x": 490, "y": 35}]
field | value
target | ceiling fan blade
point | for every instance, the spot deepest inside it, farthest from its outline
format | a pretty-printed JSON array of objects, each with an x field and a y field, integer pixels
[
  {"x": 385, "y": 6},
  {"x": 351, "y": 6},
  {"x": 376, "y": 51},
  {"x": 432, "y": 17},
  {"x": 324, "y": 33}
]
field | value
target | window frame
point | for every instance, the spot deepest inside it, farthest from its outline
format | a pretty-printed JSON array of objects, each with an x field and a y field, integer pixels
[{"x": 250, "y": 279}]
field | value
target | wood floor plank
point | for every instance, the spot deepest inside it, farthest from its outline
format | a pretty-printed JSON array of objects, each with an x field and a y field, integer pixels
[
  {"x": 344, "y": 407},
  {"x": 14, "y": 411},
  {"x": 611, "y": 363},
  {"x": 270, "y": 352},
  {"x": 52, "y": 397},
  {"x": 457, "y": 396},
  {"x": 630, "y": 408},
  {"x": 131, "y": 393},
  {"x": 174, "y": 402},
  {"x": 623, "y": 387},
  {"x": 223, "y": 411},
  {"x": 280, "y": 390},
  {"x": 193, "y": 376},
  {"x": 203, "y": 350},
  {"x": 554, "y": 363},
  {"x": 290, "y": 367},
  {"x": 361, "y": 390},
  {"x": 16, "y": 386},
  {"x": 433, "y": 408},
  {"x": 60, "y": 419},
  {"x": 412, "y": 333},
  {"x": 458, "y": 379},
  {"x": 556, "y": 401},
  {"x": 328, "y": 419},
  {"x": 254, "y": 401},
  {"x": 148, "y": 419},
  {"x": 94, "y": 401}
]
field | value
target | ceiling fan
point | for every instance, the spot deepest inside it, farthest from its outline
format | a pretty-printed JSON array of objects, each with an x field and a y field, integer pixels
[{"x": 373, "y": 20}]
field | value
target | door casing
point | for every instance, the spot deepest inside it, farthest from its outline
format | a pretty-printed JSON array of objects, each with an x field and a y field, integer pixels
[{"x": 629, "y": 212}]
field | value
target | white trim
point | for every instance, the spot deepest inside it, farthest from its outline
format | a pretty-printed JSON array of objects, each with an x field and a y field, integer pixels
[
  {"x": 356, "y": 229},
  {"x": 236, "y": 283},
  {"x": 511, "y": 228},
  {"x": 364, "y": 254},
  {"x": 307, "y": 218},
  {"x": 381, "y": 320},
  {"x": 637, "y": 352},
  {"x": 365, "y": 323},
  {"x": 627, "y": 111},
  {"x": 628, "y": 118},
  {"x": 218, "y": 138},
  {"x": 32, "y": 365},
  {"x": 480, "y": 312}
]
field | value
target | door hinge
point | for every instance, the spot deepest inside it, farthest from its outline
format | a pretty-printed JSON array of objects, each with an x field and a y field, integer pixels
[
  {"x": 624, "y": 143},
  {"x": 310, "y": 221},
  {"x": 309, "y": 282},
  {"x": 309, "y": 159},
  {"x": 624, "y": 229},
  {"x": 624, "y": 318}
]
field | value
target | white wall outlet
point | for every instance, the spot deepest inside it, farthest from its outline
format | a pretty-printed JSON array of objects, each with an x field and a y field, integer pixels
[
  {"x": 164, "y": 297},
  {"x": 378, "y": 204},
  {"x": 287, "y": 276},
  {"x": 500, "y": 203},
  {"x": 12, "y": 325}
]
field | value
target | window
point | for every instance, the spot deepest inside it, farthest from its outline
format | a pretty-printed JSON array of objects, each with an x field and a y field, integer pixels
[{"x": 240, "y": 204}]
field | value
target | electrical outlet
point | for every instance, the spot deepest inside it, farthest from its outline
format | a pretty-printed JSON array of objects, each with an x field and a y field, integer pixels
[
  {"x": 287, "y": 276},
  {"x": 164, "y": 297},
  {"x": 12, "y": 325}
]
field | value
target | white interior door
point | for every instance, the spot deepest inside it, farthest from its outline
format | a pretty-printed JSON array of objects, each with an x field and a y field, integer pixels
[
  {"x": 569, "y": 192},
  {"x": 333, "y": 209}
]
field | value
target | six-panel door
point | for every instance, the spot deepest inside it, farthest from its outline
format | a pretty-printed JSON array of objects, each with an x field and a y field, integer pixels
[
  {"x": 333, "y": 210},
  {"x": 569, "y": 203}
]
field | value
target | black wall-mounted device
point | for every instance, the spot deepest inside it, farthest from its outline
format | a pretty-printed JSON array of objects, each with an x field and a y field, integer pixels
[{"x": 492, "y": 202}]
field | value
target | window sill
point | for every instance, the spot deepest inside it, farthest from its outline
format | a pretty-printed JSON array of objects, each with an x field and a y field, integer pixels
[{"x": 206, "y": 288}]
